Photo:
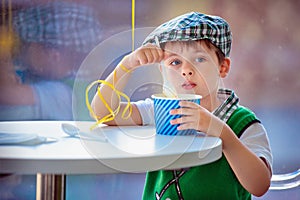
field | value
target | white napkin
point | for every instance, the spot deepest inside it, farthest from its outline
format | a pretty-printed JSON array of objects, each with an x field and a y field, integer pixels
[{"x": 23, "y": 139}]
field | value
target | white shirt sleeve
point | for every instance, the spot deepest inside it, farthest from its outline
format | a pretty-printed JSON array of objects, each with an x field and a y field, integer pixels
[
  {"x": 146, "y": 109},
  {"x": 256, "y": 139}
]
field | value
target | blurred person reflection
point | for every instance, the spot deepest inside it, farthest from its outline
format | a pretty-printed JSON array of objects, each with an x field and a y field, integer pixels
[
  {"x": 39, "y": 56},
  {"x": 55, "y": 37}
]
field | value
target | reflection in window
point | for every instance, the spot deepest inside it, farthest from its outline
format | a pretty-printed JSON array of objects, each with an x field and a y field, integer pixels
[{"x": 53, "y": 40}]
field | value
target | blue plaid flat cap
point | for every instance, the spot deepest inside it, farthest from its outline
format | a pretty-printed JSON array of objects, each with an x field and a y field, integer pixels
[
  {"x": 194, "y": 26},
  {"x": 59, "y": 24}
]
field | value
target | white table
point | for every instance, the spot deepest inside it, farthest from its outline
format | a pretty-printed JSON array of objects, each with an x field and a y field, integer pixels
[{"x": 128, "y": 149}]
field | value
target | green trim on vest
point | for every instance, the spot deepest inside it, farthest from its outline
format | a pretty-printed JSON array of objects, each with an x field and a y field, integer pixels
[
  {"x": 211, "y": 181},
  {"x": 241, "y": 119}
]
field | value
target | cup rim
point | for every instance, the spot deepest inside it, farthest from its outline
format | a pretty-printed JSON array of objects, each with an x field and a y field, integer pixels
[{"x": 179, "y": 96}]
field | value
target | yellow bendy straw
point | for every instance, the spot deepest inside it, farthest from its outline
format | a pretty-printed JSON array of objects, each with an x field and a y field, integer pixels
[
  {"x": 132, "y": 23},
  {"x": 168, "y": 90},
  {"x": 112, "y": 113}
]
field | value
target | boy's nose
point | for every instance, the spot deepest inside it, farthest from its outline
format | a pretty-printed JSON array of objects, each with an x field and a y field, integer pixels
[{"x": 187, "y": 71}]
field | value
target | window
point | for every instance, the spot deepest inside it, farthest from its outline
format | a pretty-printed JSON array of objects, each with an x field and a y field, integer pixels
[{"x": 43, "y": 45}]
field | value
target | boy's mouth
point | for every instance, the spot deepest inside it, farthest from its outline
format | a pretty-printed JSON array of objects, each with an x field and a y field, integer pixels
[{"x": 188, "y": 85}]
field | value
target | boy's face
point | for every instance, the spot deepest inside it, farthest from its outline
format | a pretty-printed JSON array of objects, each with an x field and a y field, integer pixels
[{"x": 192, "y": 68}]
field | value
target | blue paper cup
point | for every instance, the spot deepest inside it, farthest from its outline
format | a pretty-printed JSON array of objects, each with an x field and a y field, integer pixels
[{"x": 162, "y": 117}]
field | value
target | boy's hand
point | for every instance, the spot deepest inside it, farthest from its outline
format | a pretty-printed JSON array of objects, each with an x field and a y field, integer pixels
[
  {"x": 196, "y": 117},
  {"x": 144, "y": 55}
]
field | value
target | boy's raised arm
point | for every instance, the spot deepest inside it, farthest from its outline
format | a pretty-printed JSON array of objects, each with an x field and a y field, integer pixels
[{"x": 144, "y": 55}]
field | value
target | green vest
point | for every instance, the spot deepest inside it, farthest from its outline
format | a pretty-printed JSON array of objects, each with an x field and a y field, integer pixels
[{"x": 211, "y": 181}]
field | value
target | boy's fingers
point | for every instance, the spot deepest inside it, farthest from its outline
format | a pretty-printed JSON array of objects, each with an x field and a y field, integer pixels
[
  {"x": 180, "y": 111},
  {"x": 155, "y": 55},
  {"x": 178, "y": 121},
  {"x": 183, "y": 111},
  {"x": 149, "y": 56},
  {"x": 161, "y": 54},
  {"x": 139, "y": 56},
  {"x": 188, "y": 104},
  {"x": 185, "y": 126},
  {"x": 185, "y": 123},
  {"x": 142, "y": 59}
]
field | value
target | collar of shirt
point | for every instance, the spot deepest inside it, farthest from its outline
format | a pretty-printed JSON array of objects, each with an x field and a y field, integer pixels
[{"x": 229, "y": 105}]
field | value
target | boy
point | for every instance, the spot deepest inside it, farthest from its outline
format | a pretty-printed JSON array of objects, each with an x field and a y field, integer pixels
[{"x": 197, "y": 47}]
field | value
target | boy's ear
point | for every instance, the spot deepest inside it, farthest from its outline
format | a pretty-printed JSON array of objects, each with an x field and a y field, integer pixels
[{"x": 225, "y": 67}]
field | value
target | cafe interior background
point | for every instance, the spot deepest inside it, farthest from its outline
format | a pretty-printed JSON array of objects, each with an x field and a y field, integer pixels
[{"x": 265, "y": 73}]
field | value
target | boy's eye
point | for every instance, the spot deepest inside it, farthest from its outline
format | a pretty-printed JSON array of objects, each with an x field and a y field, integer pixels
[
  {"x": 199, "y": 59},
  {"x": 175, "y": 62}
]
